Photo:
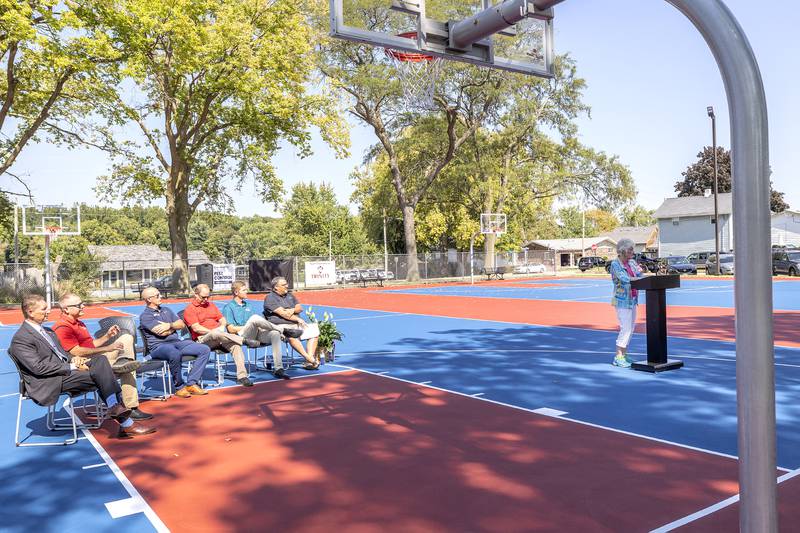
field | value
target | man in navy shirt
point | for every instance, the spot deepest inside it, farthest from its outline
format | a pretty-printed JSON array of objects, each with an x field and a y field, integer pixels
[
  {"x": 282, "y": 310},
  {"x": 159, "y": 326}
]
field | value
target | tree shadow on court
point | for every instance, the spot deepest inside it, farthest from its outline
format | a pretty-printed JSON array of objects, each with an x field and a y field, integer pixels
[{"x": 569, "y": 369}]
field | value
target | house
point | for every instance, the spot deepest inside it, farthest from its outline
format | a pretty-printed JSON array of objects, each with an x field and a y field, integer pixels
[
  {"x": 645, "y": 238},
  {"x": 686, "y": 224},
  {"x": 786, "y": 228},
  {"x": 568, "y": 251},
  {"x": 127, "y": 264}
]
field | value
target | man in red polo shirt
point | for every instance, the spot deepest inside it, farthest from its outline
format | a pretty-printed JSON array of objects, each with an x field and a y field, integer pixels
[
  {"x": 74, "y": 337},
  {"x": 207, "y": 325}
]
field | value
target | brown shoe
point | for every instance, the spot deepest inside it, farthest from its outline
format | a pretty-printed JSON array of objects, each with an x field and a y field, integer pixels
[
  {"x": 136, "y": 430},
  {"x": 183, "y": 393},
  {"x": 195, "y": 390}
]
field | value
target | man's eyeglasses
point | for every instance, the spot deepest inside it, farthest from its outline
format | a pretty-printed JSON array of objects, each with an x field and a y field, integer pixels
[
  {"x": 79, "y": 305},
  {"x": 204, "y": 298},
  {"x": 157, "y": 295}
]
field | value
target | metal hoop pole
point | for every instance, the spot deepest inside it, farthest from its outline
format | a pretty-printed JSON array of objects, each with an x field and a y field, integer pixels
[
  {"x": 755, "y": 358},
  {"x": 48, "y": 287}
]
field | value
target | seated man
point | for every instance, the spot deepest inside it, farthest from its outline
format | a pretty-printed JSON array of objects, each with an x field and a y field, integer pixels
[
  {"x": 281, "y": 308},
  {"x": 75, "y": 338},
  {"x": 244, "y": 322},
  {"x": 159, "y": 326},
  {"x": 207, "y": 326},
  {"x": 49, "y": 371}
]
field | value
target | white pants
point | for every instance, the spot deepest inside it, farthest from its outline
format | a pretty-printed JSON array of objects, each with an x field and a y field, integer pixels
[{"x": 627, "y": 321}]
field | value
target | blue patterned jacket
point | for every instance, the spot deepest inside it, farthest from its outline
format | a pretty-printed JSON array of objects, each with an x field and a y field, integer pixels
[{"x": 622, "y": 284}]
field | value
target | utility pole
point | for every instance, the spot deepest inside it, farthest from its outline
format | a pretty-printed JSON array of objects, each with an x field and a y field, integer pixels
[
  {"x": 330, "y": 245},
  {"x": 385, "y": 247},
  {"x": 711, "y": 114}
]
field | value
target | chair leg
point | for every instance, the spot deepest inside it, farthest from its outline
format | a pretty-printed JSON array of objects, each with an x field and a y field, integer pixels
[{"x": 49, "y": 422}]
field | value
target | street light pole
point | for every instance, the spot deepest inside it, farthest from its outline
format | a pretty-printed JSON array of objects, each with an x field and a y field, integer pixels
[{"x": 711, "y": 114}]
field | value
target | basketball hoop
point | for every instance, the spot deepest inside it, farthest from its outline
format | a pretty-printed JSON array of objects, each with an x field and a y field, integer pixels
[
  {"x": 418, "y": 74},
  {"x": 493, "y": 223},
  {"x": 52, "y": 232}
]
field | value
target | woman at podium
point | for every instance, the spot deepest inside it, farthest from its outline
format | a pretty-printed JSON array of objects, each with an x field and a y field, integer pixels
[{"x": 625, "y": 298}]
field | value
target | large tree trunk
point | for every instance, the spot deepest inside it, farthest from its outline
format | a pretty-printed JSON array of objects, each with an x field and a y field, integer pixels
[
  {"x": 179, "y": 213},
  {"x": 410, "y": 236},
  {"x": 489, "y": 240}
]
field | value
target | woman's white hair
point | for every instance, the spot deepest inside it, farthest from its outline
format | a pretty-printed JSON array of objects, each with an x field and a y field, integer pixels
[{"x": 623, "y": 245}]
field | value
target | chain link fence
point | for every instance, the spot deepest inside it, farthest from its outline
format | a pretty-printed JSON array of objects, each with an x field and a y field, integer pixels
[{"x": 120, "y": 280}]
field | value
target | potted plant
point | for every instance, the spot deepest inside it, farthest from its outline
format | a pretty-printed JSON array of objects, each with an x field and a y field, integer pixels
[{"x": 328, "y": 335}]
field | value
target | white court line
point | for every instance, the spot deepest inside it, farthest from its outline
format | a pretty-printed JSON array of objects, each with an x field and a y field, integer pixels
[
  {"x": 118, "y": 311},
  {"x": 9, "y": 395},
  {"x": 125, "y": 507},
  {"x": 546, "y": 411},
  {"x": 368, "y": 317},
  {"x": 89, "y": 467},
  {"x": 714, "y": 508},
  {"x": 574, "y": 421},
  {"x": 424, "y": 382},
  {"x": 477, "y": 395}
]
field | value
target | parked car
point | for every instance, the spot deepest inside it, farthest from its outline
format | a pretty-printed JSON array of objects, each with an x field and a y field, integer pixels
[
  {"x": 677, "y": 264},
  {"x": 529, "y": 268},
  {"x": 725, "y": 264},
  {"x": 347, "y": 276},
  {"x": 164, "y": 283},
  {"x": 646, "y": 263},
  {"x": 590, "y": 261},
  {"x": 787, "y": 262},
  {"x": 385, "y": 274},
  {"x": 699, "y": 259}
]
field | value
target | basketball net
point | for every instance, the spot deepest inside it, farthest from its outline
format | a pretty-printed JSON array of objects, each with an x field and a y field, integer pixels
[
  {"x": 418, "y": 75},
  {"x": 53, "y": 232}
]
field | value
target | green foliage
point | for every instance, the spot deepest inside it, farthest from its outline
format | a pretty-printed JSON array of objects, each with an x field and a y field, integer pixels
[
  {"x": 597, "y": 222},
  {"x": 78, "y": 270},
  {"x": 328, "y": 332},
  {"x": 637, "y": 216},
  {"x": 312, "y": 215},
  {"x": 699, "y": 176}
]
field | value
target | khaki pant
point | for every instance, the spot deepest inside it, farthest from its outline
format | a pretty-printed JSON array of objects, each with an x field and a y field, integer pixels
[
  {"x": 130, "y": 394},
  {"x": 260, "y": 329},
  {"x": 229, "y": 342}
]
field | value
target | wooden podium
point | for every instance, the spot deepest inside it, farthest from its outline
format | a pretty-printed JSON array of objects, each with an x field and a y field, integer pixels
[{"x": 656, "y": 322}]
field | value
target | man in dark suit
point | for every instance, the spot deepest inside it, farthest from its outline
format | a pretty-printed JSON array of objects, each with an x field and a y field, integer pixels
[{"x": 48, "y": 370}]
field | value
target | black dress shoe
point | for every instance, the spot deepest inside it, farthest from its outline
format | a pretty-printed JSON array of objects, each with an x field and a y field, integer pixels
[
  {"x": 281, "y": 374},
  {"x": 119, "y": 412},
  {"x": 244, "y": 382},
  {"x": 138, "y": 414},
  {"x": 123, "y": 365}
]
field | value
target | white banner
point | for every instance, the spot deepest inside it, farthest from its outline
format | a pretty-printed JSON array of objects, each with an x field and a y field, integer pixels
[
  {"x": 320, "y": 273},
  {"x": 224, "y": 275}
]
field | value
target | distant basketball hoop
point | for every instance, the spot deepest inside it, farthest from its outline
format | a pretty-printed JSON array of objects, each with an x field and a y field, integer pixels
[{"x": 418, "y": 75}]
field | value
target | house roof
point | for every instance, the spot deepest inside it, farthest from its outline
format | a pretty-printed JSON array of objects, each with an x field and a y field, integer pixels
[
  {"x": 571, "y": 244},
  {"x": 141, "y": 256},
  {"x": 694, "y": 206},
  {"x": 638, "y": 234}
]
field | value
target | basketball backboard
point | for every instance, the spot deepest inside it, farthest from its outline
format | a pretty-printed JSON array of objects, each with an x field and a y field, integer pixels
[
  {"x": 51, "y": 219},
  {"x": 493, "y": 223},
  {"x": 525, "y": 47}
]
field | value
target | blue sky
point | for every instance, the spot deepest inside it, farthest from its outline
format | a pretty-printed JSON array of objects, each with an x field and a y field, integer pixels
[{"x": 650, "y": 78}]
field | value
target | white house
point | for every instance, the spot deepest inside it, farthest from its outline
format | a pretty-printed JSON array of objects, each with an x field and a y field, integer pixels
[
  {"x": 686, "y": 224},
  {"x": 645, "y": 238},
  {"x": 134, "y": 263},
  {"x": 786, "y": 228}
]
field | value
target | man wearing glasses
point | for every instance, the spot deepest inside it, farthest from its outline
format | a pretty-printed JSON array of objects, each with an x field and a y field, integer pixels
[
  {"x": 160, "y": 326},
  {"x": 282, "y": 309},
  {"x": 207, "y": 326},
  {"x": 74, "y": 337}
]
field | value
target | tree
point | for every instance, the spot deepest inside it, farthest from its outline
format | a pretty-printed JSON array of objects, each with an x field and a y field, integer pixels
[
  {"x": 227, "y": 82},
  {"x": 699, "y": 176},
  {"x": 55, "y": 62},
  {"x": 637, "y": 216},
  {"x": 597, "y": 222},
  {"x": 312, "y": 218}
]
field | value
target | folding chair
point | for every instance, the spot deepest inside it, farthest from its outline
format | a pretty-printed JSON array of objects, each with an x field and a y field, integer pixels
[
  {"x": 53, "y": 422},
  {"x": 150, "y": 367},
  {"x": 220, "y": 355}
]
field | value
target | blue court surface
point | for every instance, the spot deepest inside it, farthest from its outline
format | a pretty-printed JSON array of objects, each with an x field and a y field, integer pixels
[
  {"x": 693, "y": 292},
  {"x": 564, "y": 371}
]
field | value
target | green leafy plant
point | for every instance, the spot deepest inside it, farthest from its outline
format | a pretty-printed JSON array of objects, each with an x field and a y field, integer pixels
[{"x": 328, "y": 332}]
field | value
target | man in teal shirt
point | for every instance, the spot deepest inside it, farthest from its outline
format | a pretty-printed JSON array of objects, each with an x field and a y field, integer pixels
[{"x": 244, "y": 322}]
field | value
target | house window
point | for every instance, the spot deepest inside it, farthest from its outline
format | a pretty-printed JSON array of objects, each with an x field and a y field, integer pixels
[{"x": 676, "y": 221}]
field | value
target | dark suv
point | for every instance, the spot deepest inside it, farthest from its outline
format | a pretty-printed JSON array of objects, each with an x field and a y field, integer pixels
[
  {"x": 591, "y": 261},
  {"x": 786, "y": 262}
]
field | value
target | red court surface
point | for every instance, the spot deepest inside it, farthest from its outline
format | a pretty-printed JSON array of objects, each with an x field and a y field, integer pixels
[
  {"x": 711, "y": 323},
  {"x": 357, "y": 452}
]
